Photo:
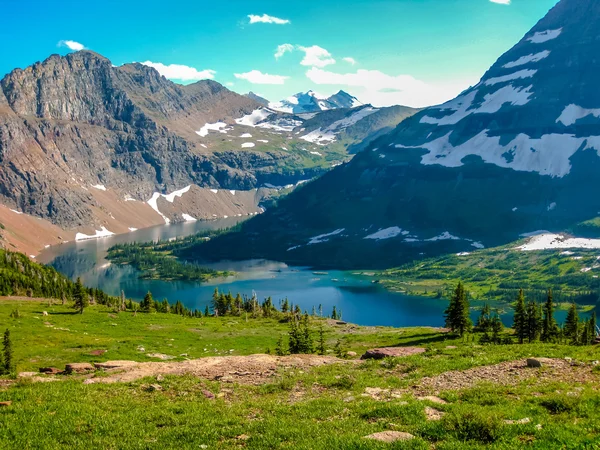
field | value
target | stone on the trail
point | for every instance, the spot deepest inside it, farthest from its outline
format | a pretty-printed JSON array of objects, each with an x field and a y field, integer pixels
[
  {"x": 44, "y": 313},
  {"x": 534, "y": 363},
  {"x": 390, "y": 436},
  {"x": 159, "y": 377},
  {"x": 340, "y": 322},
  {"x": 392, "y": 352},
  {"x": 89, "y": 381},
  {"x": 433, "y": 414},
  {"x": 451, "y": 347},
  {"x": 27, "y": 374},
  {"x": 433, "y": 399},
  {"x": 351, "y": 354},
  {"x": 523, "y": 421},
  {"x": 6, "y": 403},
  {"x": 50, "y": 370},
  {"x": 108, "y": 365},
  {"x": 154, "y": 387},
  {"x": 79, "y": 368},
  {"x": 209, "y": 395}
]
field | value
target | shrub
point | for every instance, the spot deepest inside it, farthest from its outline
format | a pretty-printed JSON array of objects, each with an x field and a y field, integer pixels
[{"x": 474, "y": 426}]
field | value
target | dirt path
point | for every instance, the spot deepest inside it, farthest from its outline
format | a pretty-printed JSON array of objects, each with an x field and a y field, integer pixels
[
  {"x": 510, "y": 373},
  {"x": 253, "y": 369}
]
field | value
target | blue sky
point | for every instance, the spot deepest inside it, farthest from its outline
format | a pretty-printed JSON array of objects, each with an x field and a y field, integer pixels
[{"x": 414, "y": 52}]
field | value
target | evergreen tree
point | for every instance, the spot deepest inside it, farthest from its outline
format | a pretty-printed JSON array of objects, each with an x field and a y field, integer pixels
[
  {"x": 585, "y": 333},
  {"x": 285, "y": 306},
  {"x": 281, "y": 349},
  {"x": 147, "y": 304},
  {"x": 571, "y": 328},
  {"x": 206, "y": 312},
  {"x": 534, "y": 321},
  {"x": 307, "y": 346},
  {"x": 497, "y": 328},
  {"x": 457, "y": 314},
  {"x": 8, "y": 364},
  {"x": 334, "y": 314},
  {"x": 593, "y": 325},
  {"x": 80, "y": 296},
  {"x": 321, "y": 349},
  {"x": 520, "y": 318},
  {"x": 550, "y": 328}
]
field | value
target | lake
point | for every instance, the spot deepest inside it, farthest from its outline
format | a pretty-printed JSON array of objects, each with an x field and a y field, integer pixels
[{"x": 359, "y": 300}]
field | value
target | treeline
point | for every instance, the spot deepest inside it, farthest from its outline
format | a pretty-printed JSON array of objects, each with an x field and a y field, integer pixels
[
  {"x": 533, "y": 321},
  {"x": 19, "y": 276},
  {"x": 156, "y": 260}
]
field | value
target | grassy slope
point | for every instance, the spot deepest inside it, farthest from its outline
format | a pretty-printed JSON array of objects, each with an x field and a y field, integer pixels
[
  {"x": 495, "y": 274},
  {"x": 319, "y": 409}
]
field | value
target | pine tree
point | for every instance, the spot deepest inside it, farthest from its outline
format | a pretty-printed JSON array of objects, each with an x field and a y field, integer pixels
[
  {"x": 497, "y": 328},
  {"x": 592, "y": 324},
  {"x": 80, "y": 296},
  {"x": 281, "y": 349},
  {"x": 550, "y": 328},
  {"x": 8, "y": 365},
  {"x": 321, "y": 349},
  {"x": 520, "y": 318},
  {"x": 147, "y": 305},
  {"x": 484, "y": 321},
  {"x": 571, "y": 328},
  {"x": 206, "y": 311},
  {"x": 534, "y": 321},
  {"x": 457, "y": 314},
  {"x": 334, "y": 314}
]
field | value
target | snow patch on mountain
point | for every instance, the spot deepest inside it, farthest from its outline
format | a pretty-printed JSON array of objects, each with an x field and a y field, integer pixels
[
  {"x": 324, "y": 237},
  {"x": 573, "y": 113},
  {"x": 445, "y": 236},
  {"x": 544, "y": 36},
  {"x": 102, "y": 232},
  {"x": 525, "y": 73},
  {"x": 557, "y": 241},
  {"x": 188, "y": 218},
  {"x": 492, "y": 103},
  {"x": 153, "y": 202},
  {"x": 325, "y": 136},
  {"x": 100, "y": 187},
  {"x": 527, "y": 59},
  {"x": 387, "y": 233},
  {"x": 548, "y": 155},
  {"x": 255, "y": 117},
  {"x": 248, "y": 144},
  {"x": 218, "y": 126}
]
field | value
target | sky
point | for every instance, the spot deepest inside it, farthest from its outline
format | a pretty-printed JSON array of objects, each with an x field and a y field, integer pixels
[{"x": 410, "y": 52}]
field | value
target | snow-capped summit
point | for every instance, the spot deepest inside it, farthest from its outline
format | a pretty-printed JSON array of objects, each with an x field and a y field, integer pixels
[{"x": 310, "y": 102}]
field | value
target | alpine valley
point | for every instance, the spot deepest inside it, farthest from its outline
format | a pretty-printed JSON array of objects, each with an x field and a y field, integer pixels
[
  {"x": 89, "y": 149},
  {"x": 517, "y": 153}
]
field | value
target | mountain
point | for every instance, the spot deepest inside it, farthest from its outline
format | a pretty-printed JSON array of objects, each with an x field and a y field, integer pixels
[
  {"x": 94, "y": 149},
  {"x": 257, "y": 98},
  {"x": 516, "y": 153},
  {"x": 311, "y": 102}
]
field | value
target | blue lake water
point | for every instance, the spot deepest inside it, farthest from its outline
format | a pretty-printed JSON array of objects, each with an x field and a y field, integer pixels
[{"x": 359, "y": 300}]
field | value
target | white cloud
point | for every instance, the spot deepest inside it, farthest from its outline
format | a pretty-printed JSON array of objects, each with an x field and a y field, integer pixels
[
  {"x": 71, "y": 45},
  {"x": 316, "y": 56},
  {"x": 501, "y": 2},
  {"x": 257, "y": 77},
  {"x": 349, "y": 60},
  {"x": 283, "y": 49},
  {"x": 180, "y": 72},
  {"x": 380, "y": 89},
  {"x": 230, "y": 84},
  {"x": 267, "y": 19}
]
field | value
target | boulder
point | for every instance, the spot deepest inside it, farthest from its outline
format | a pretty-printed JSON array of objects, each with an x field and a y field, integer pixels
[
  {"x": 534, "y": 363},
  {"x": 209, "y": 395},
  {"x": 390, "y": 436},
  {"x": 351, "y": 354},
  {"x": 392, "y": 352},
  {"x": 154, "y": 387},
  {"x": 79, "y": 368},
  {"x": 50, "y": 370},
  {"x": 109, "y": 365}
]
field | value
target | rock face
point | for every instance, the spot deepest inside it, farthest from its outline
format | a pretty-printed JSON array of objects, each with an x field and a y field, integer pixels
[
  {"x": 390, "y": 436},
  {"x": 82, "y": 140},
  {"x": 514, "y": 154}
]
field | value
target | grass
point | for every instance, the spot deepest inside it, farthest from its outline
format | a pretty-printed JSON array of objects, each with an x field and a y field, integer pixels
[
  {"x": 497, "y": 274},
  {"x": 323, "y": 408}
]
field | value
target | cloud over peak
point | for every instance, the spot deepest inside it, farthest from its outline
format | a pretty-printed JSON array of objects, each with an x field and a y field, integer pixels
[
  {"x": 265, "y": 18},
  {"x": 257, "y": 77},
  {"x": 71, "y": 45},
  {"x": 349, "y": 60},
  {"x": 316, "y": 56},
  {"x": 181, "y": 72}
]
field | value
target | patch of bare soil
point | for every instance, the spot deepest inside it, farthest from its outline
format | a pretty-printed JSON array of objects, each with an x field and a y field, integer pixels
[
  {"x": 253, "y": 369},
  {"x": 508, "y": 374}
]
